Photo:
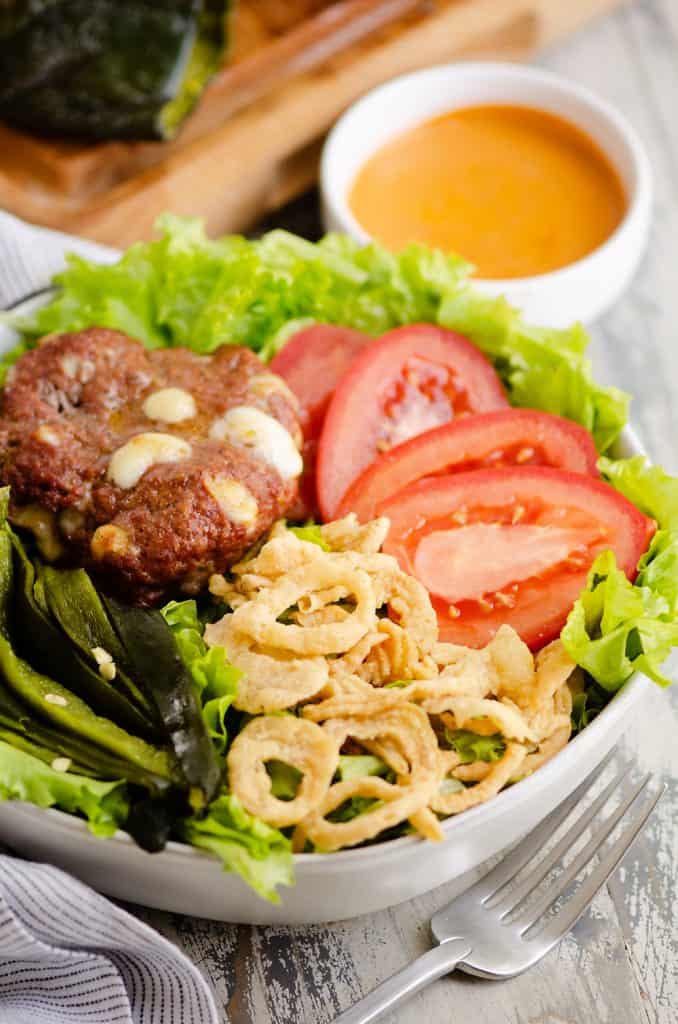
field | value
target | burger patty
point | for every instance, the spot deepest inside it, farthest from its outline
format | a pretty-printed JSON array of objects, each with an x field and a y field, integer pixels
[{"x": 153, "y": 469}]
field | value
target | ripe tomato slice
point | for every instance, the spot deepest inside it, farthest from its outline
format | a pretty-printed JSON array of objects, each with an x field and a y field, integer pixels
[
  {"x": 313, "y": 362},
  {"x": 510, "y": 545},
  {"x": 410, "y": 380},
  {"x": 491, "y": 440}
]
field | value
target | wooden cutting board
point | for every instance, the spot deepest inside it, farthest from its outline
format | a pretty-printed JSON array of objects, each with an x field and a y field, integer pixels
[{"x": 254, "y": 141}]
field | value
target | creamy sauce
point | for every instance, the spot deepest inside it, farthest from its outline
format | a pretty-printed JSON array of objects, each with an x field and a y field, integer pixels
[
  {"x": 129, "y": 463},
  {"x": 170, "y": 405},
  {"x": 514, "y": 190},
  {"x": 263, "y": 435}
]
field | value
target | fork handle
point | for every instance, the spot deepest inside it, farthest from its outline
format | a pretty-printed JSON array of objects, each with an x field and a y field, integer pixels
[{"x": 405, "y": 983}]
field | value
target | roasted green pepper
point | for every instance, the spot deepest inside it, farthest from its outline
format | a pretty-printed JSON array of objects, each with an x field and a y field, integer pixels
[
  {"x": 76, "y": 607},
  {"x": 21, "y": 728},
  {"x": 103, "y": 69},
  {"x": 36, "y": 635},
  {"x": 53, "y": 702},
  {"x": 153, "y": 653}
]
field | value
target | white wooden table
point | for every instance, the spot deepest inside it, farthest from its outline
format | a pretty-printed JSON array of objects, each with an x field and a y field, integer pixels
[{"x": 621, "y": 963}]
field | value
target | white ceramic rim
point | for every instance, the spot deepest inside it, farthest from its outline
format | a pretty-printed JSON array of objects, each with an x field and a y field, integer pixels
[{"x": 639, "y": 195}]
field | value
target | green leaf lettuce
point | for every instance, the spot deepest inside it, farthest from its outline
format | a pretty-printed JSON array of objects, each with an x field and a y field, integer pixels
[
  {"x": 471, "y": 746},
  {"x": 24, "y": 777},
  {"x": 617, "y": 628},
  {"x": 216, "y": 680},
  {"x": 186, "y": 289},
  {"x": 261, "y": 855}
]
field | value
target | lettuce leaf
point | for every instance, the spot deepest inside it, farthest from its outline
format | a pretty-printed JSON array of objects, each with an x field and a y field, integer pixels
[
  {"x": 586, "y": 705},
  {"x": 285, "y": 779},
  {"x": 261, "y": 855},
  {"x": 356, "y": 766},
  {"x": 471, "y": 746},
  {"x": 542, "y": 368},
  {"x": 352, "y": 808},
  {"x": 24, "y": 777},
  {"x": 312, "y": 533},
  {"x": 186, "y": 289},
  {"x": 616, "y": 627},
  {"x": 216, "y": 680}
]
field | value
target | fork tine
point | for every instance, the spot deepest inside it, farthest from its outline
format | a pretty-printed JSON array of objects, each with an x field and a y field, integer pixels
[
  {"x": 566, "y": 918},
  {"x": 534, "y": 911},
  {"x": 516, "y": 895},
  {"x": 508, "y": 868}
]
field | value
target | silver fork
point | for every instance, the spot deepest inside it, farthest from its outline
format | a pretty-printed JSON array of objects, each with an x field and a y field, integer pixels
[{"x": 494, "y": 930}]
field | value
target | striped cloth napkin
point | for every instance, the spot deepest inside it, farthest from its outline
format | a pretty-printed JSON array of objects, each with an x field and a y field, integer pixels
[
  {"x": 29, "y": 256},
  {"x": 67, "y": 955}
]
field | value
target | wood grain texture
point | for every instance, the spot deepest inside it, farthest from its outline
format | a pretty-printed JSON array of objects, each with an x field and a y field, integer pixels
[
  {"x": 620, "y": 965},
  {"x": 113, "y": 192}
]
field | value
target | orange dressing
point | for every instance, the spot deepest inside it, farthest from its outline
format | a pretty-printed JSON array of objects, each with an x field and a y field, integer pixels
[{"x": 514, "y": 190}]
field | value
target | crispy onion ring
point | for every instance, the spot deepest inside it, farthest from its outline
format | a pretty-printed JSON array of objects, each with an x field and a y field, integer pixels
[
  {"x": 475, "y": 771},
  {"x": 398, "y": 656},
  {"x": 513, "y": 665},
  {"x": 354, "y": 703},
  {"x": 409, "y": 729},
  {"x": 297, "y": 742},
  {"x": 353, "y": 623},
  {"x": 553, "y": 666},
  {"x": 547, "y": 749},
  {"x": 348, "y": 534},
  {"x": 508, "y": 718},
  {"x": 272, "y": 680},
  {"x": 501, "y": 773},
  {"x": 405, "y": 596},
  {"x": 257, "y": 618}
]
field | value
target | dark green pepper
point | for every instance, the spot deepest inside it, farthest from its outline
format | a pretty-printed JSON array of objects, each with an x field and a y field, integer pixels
[
  {"x": 153, "y": 653},
  {"x": 103, "y": 69},
  {"x": 75, "y": 605},
  {"x": 53, "y": 702},
  {"x": 21, "y": 728},
  {"x": 36, "y": 635}
]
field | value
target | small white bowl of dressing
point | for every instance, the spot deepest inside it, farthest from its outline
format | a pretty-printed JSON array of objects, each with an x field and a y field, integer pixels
[{"x": 540, "y": 184}]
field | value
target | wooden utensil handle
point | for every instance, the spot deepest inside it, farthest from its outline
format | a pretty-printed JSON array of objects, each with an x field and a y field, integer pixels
[{"x": 303, "y": 48}]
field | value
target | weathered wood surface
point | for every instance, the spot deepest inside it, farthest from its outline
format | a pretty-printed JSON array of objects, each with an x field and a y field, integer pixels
[{"x": 620, "y": 966}]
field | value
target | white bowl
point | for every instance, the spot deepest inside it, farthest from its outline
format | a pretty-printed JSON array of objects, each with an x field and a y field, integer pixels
[
  {"x": 581, "y": 291},
  {"x": 329, "y": 887}
]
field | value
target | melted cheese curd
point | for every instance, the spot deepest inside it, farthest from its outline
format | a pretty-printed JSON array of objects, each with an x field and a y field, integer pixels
[
  {"x": 129, "y": 463},
  {"x": 170, "y": 405},
  {"x": 337, "y": 633},
  {"x": 247, "y": 427}
]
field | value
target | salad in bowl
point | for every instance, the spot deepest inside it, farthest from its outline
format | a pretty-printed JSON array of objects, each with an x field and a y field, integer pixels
[{"x": 310, "y": 552}]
